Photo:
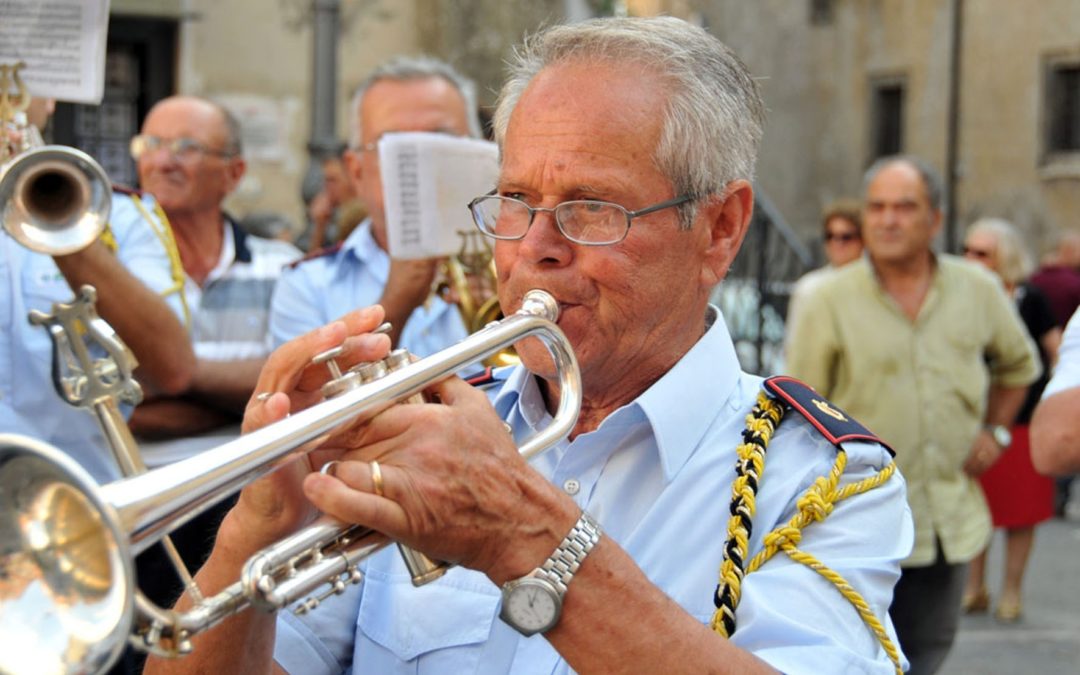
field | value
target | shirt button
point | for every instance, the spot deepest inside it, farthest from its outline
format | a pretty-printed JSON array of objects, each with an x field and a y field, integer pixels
[{"x": 572, "y": 486}]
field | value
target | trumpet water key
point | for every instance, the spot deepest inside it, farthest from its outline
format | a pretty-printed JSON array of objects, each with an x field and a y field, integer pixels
[{"x": 67, "y": 600}]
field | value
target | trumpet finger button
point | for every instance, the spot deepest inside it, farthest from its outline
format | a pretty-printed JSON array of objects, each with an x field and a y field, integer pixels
[{"x": 328, "y": 468}]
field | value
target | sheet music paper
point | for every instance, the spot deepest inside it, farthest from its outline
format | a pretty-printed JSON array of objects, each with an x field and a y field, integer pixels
[
  {"x": 428, "y": 180},
  {"x": 62, "y": 43}
]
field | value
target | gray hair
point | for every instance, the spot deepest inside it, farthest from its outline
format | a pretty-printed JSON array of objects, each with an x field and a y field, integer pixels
[
  {"x": 405, "y": 68},
  {"x": 1013, "y": 261},
  {"x": 712, "y": 124},
  {"x": 930, "y": 177},
  {"x": 233, "y": 134}
]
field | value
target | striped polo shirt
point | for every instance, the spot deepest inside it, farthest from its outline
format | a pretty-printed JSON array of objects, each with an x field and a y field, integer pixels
[{"x": 233, "y": 307}]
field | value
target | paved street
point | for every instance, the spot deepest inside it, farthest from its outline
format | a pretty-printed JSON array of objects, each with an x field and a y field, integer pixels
[{"x": 1046, "y": 641}]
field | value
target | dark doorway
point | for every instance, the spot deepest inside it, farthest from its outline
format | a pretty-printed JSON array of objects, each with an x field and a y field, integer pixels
[{"x": 140, "y": 69}]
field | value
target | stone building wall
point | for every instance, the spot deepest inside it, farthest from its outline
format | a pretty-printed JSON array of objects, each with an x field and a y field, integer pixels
[
  {"x": 817, "y": 83},
  {"x": 816, "y": 78}
]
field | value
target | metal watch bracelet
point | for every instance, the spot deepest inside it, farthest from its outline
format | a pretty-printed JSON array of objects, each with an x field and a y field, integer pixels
[{"x": 561, "y": 566}]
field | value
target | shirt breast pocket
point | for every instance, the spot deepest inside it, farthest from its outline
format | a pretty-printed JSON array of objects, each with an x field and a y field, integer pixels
[
  {"x": 441, "y": 627},
  {"x": 43, "y": 285}
]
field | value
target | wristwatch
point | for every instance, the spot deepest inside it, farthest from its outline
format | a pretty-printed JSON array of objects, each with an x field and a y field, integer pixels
[
  {"x": 1001, "y": 434},
  {"x": 533, "y": 603}
]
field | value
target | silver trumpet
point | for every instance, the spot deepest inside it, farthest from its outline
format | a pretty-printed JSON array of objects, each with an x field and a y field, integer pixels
[
  {"x": 67, "y": 545},
  {"x": 55, "y": 199}
]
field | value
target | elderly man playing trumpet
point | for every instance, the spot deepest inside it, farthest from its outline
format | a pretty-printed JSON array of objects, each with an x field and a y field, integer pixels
[{"x": 628, "y": 148}]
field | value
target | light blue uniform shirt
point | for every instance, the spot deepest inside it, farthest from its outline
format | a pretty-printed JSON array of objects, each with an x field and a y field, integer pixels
[
  {"x": 657, "y": 475},
  {"x": 28, "y": 402},
  {"x": 322, "y": 289}
]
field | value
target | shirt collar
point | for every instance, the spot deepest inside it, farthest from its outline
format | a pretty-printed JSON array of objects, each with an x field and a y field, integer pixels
[
  {"x": 362, "y": 246},
  {"x": 229, "y": 239},
  {"x": 240, "y": 237},
  {"x": 679, "y": 407},
  {"x": 682, "y": 405}
]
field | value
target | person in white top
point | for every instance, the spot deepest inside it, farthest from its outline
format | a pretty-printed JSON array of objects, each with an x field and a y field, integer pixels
[{"x": 1055, "y": 426}]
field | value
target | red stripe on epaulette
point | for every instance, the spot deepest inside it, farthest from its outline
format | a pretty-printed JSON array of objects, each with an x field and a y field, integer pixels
[
  {"x": 125, "y": 190},
  {"x": 833, "y": 423},
  {"x": 317, "y": 253},
  {"x": 481, "y": 379}
]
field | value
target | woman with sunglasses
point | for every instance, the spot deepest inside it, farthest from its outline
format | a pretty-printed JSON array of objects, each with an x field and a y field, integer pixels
[{"x": 1019, "y": 498}]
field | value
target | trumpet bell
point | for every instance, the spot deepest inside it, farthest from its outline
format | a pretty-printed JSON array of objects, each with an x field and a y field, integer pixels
[
  {"x": 55, "y": 199},
  {"x": 67, "y": 596},
  {"x": 66, "y": 589}
]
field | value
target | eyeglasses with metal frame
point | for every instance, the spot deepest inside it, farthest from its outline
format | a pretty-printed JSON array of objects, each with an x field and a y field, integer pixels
[
  {"x": 589, "y": 222},
  {"x": 180, "y": 148}
]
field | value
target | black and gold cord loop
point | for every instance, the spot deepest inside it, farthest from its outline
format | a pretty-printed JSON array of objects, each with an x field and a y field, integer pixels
[{"x": 814, "y": 505}]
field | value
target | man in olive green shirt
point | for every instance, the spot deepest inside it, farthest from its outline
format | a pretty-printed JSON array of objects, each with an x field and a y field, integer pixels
[{"x": 929, "y": 352}]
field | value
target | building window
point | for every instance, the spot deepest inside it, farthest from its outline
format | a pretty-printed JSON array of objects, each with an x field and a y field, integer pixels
[
  {"x": 1063, "y": 108},
  {"x": 886, "y": 119},
  {"x": 821, "y": 12}
]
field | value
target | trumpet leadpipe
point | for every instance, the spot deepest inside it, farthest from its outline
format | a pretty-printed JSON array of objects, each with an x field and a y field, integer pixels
[{"x": 154, "y": 503}]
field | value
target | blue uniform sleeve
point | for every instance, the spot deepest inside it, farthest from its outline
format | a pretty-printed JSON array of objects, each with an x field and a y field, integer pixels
[
  {"x": 295, "y": 308},
  {"x": 142, "y": 250},
  {"x": 798, "y": 621}
]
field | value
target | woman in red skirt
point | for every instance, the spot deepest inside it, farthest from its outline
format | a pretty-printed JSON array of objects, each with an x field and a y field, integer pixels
[{"x": 1019, "y": 498}]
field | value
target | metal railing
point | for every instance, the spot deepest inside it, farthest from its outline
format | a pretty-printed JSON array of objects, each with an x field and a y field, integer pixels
[{"x": 754, "y": 296}]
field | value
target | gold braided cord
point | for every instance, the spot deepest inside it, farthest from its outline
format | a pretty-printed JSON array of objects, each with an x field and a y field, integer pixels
[
  {"x": 760, "y": 425},
  {"x": 814, "y": 505},
  {"x": 163, "y": 230},
  {"x": 109, "y": 239}
]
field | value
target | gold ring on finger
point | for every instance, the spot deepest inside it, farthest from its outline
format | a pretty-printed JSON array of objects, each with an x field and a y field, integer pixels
[{"x": 376, "y": 478}]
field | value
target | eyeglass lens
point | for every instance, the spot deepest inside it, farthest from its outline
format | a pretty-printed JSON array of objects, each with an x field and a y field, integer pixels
[
  {"x": 583, "y": 221},
  {"x": 182, "y": 148}
]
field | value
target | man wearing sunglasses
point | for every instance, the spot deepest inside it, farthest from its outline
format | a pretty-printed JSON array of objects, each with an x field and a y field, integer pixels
[{"x": 841, "y": 225}]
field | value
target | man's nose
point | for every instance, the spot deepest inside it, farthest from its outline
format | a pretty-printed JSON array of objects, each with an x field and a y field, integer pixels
[{"x": 544, "y": 242}]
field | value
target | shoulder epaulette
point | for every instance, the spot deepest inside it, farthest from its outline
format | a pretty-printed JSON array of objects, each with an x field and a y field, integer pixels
[
  {"x": 833, "y": 423},
  {"x": 317, "y": 253},
  {"x": 126, "y": 190},
  {"x": 483, "y": 379}
]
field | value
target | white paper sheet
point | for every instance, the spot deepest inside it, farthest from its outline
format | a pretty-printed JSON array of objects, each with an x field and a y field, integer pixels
[
  {"x": 428, "y": 179},
  {"x": 62, "y": 43}
]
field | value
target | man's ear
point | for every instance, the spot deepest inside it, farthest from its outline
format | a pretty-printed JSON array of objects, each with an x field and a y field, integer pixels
[
  {"x": 937, "y": 220},
  {"x": 726, "y": 218},
  {"x": 354, "y": 168},
  {"x": 235, "y": 170}
]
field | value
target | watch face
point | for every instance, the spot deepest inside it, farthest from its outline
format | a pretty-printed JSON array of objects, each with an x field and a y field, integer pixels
[
  {"x": 532, "y": 606},
  {"x": 1002, "y": 436}
]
